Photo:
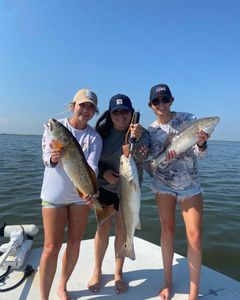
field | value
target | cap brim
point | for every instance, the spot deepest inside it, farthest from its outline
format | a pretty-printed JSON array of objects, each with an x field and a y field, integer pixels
[
  {"x": 84, "y": 100},
  {"x": 123, "y": 107},
  {"x": 165, "y": 96}
]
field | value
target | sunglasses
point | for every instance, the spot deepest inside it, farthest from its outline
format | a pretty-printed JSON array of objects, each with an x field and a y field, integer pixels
[{"x": 158, "y": 101}]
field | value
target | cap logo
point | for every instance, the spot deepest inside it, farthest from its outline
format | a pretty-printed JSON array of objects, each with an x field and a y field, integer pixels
[
  {"x": 119, "y": 101},
  {"x": 161, "y": 88},
  {"x": 88, "y": 94}
]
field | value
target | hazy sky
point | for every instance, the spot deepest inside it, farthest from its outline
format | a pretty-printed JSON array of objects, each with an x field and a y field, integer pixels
[{"x": 50, "y": 49}]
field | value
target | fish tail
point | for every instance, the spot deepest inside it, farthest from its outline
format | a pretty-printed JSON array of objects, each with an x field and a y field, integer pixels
[
  {"x": 103, "y": 213},
  {"x": 157, "y": 161},
  {"x": 127, "y": 250},
  {"x": 138, "y": 226}
]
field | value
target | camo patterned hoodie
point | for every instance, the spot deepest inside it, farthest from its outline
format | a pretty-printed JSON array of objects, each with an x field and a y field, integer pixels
[{"x": 180, "y": 173}]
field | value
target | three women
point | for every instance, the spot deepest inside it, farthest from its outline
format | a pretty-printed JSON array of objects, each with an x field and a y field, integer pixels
[{"x": 176, "y": 179}]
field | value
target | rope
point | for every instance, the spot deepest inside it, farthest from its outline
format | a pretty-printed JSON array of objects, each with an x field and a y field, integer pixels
[{"x": 27, "y": 272}]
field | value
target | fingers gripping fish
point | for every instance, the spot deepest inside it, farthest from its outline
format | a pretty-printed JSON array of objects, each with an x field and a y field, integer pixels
[{"x": 77, "y": 168}]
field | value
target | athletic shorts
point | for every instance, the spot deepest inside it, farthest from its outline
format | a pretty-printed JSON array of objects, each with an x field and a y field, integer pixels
[
  {"x": 46, "y": 204},
  {"x": 108, "y": 198},
  {"x": 180, "y": 195}
]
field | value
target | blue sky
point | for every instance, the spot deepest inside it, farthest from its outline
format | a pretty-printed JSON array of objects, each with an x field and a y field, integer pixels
[{"x": 50, "y": 49}]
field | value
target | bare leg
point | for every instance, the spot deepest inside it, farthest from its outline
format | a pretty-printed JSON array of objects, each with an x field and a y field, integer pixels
[
  {"x": 77, "y": 220},
  {"x": 192, "y": 215},
  {"x": 120, "y": 285},
  {"x": 166, "y": 210},
  {"x": 54, "y": 220},
  {"x": 100, "y": 246}
]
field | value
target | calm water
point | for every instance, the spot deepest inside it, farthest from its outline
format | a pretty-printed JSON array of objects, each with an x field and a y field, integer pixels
[{"x": 21, "y": 172}]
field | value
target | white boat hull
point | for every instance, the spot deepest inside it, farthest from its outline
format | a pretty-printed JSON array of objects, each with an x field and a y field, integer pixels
[{"x": 145, "y": 276}]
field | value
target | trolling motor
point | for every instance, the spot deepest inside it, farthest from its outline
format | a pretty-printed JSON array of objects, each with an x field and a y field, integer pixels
[
  {"x": 13, "y": 254},
  {"x": 21, "y": 240}
]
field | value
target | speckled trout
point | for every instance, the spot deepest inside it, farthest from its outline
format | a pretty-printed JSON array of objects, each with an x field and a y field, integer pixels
[
  {"x": 187, "y": 137},
  {"x": 130, "y": 196},
  {"x": 77, "y": 168}
]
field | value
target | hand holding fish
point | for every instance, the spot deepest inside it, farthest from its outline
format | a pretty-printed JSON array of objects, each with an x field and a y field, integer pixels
[
  {"x": 136, "y": 131},
  {"x": 170, "y": 155},
  {"x": 203, "y": 137},
  {"x": 56, "y": 151},
  {"x": 110, "y": 176},
  {"x": 90, "y": 199}
]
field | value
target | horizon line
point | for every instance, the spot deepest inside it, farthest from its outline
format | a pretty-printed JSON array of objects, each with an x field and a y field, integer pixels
[{"x": 34, "y": 134}]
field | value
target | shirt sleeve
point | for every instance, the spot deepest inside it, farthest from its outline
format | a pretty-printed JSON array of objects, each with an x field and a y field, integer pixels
[
  {"x": 144, "y": 141},
  {"x": 95, "y": 152},
  {"x": 46, "y": 149},
  {"x": 200, "y": 153}
]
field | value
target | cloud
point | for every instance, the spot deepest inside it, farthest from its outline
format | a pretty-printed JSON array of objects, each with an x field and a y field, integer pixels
[{"x": 4, "y": 119}]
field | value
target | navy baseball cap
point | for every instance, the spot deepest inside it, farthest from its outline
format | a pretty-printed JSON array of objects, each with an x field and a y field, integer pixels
[
  {"x": 160, "y": 90},
  {"x": 120, "y": 101}
]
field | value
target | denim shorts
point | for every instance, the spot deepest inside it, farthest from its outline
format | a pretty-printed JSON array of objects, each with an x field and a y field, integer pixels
[
  {"x": 159, "y": 187},
  {"x": 46, "y": 204}
]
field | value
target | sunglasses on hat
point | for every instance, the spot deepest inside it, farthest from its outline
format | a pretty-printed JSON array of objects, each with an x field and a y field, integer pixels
[{"x": 158, "y": 101}]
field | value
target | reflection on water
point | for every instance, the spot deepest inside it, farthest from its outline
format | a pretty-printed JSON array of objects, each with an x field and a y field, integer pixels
[{"x": 21, "y": 172}]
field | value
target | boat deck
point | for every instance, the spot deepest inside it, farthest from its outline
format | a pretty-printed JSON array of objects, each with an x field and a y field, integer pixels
[{"x": 144, "y": 275}]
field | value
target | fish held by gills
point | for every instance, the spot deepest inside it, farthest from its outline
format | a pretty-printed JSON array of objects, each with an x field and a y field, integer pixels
[
  {"x": 77, "y": 168},
  {"x": 187, "y": 138}
]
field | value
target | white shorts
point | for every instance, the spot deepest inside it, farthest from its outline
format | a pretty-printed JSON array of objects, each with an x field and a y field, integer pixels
[{"x": 180, "y": 195}]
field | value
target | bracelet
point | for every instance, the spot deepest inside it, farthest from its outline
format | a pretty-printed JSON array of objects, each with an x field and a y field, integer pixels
[
  {"x": 52, "y": 163},
  {"x": 203, "y": 146}
]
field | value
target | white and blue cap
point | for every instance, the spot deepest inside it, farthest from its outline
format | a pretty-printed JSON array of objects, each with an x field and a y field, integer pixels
[
  {"x": 85, "y": 95},
  {"x": 120, "y": 101}
]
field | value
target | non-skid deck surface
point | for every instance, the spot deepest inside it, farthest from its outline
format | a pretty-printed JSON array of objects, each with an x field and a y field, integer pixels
[{"x": 144, "y": 275}]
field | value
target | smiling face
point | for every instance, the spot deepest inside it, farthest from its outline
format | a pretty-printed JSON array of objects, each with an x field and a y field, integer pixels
[
  {"x": 121, "y": 119},
  {"x": 82, "y": 113},
  {"x": 161, "y": 106}
]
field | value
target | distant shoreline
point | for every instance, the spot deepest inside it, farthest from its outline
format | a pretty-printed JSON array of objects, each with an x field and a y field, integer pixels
[
  {"x": 21, "y": 134},
  {"x": 25, "y": 134}
]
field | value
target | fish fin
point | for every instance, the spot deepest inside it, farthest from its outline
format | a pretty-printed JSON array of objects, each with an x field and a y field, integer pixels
[
  {"x": 147, "y": 166},
  {"x": 153, "y": 167},
  {"x": 158, "y": 160},
  {"x": 80, "y": 193},
  {"x": 93, "y": 175},
  {"x": 103, "y": 212},
  {"x": 135, "y": 185},
  {"x": 138, "y": 226},
  {"x": 46, "y": 126},
  {"x": 183, "y": 127},
  {"x": 127, "y": 250}
]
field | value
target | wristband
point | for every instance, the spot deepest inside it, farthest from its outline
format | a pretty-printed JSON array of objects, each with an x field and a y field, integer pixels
[{"x": 203, "y": 146}]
